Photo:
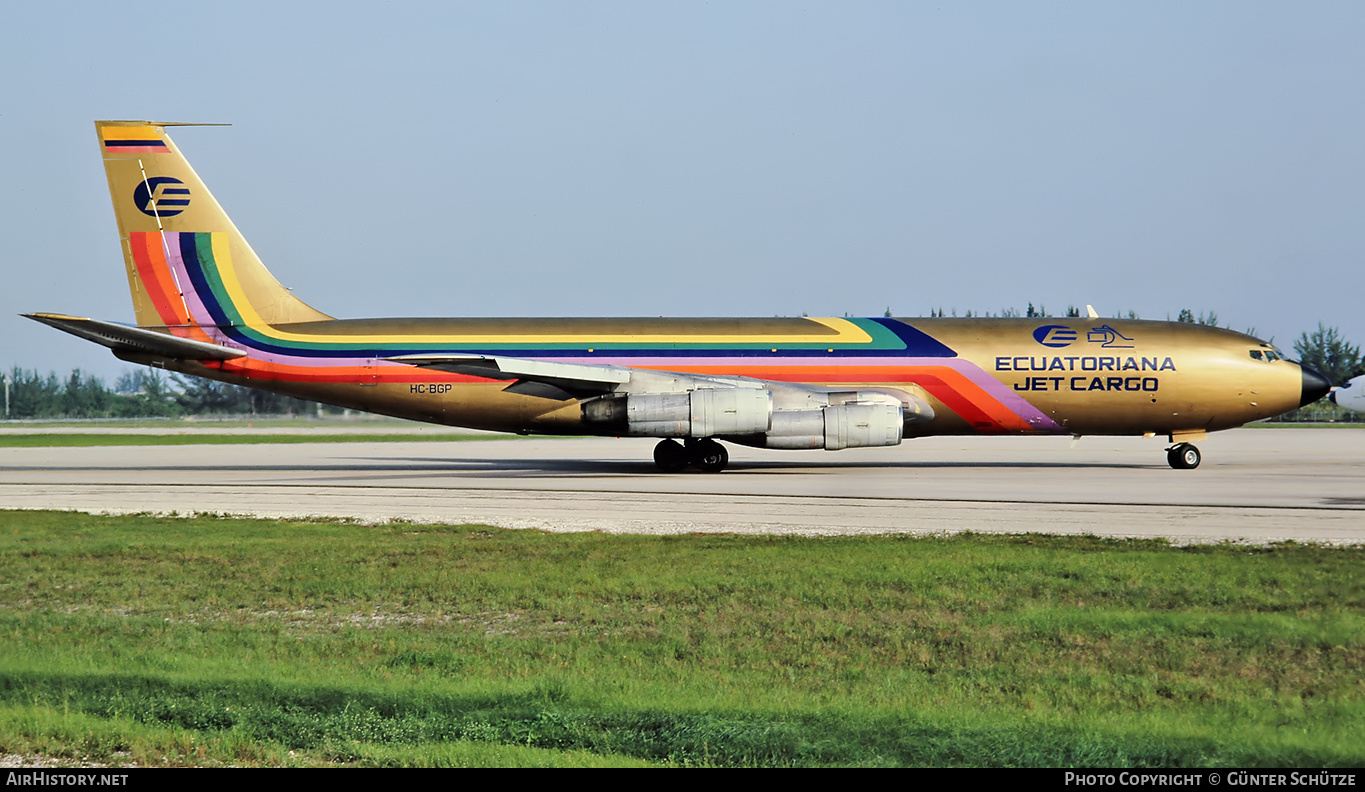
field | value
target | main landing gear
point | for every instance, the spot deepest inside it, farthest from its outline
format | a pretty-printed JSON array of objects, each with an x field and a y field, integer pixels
[
  {"x": 707, "y": 454},
  {"x": 1183, "y": 456}
]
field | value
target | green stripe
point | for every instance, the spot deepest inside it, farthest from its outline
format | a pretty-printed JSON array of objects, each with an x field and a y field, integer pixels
[{"x": 881, "y": 337}]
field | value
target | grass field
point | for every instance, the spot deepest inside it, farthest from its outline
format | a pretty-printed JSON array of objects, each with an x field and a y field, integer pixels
[{"x": 253, "y": 642}]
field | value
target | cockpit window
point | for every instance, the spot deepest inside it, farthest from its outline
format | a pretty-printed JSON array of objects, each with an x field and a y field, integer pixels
[
  {"x": 1267, "y": 355},
  {"x": 1256, "y": 354}
]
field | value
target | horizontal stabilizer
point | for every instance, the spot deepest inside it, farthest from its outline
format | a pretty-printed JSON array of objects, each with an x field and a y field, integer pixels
[
  {"x": 572, "y": 377},
  {"x": 122, "y": 338}
]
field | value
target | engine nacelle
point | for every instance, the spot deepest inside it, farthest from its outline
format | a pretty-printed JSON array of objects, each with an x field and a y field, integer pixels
[
  {"x": 705, "y": 412},
  {"x": 836, "y": 426}
]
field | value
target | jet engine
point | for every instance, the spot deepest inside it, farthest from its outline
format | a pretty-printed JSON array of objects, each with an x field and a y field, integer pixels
[
  {"x": 834, "y": 427},
  {"x": 772, "y": 417},
  {"x": 705, "y": 412}
]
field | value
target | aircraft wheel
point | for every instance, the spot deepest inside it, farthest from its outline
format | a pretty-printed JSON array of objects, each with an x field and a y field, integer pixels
[
  {"x": 711, "y": 456},
  {"x": 670, "y": 456},
  {"x": 1183, "y": 456}
]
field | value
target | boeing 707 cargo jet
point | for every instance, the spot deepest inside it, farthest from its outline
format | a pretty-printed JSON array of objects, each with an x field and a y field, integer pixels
[{"x": 205, "y": 305}]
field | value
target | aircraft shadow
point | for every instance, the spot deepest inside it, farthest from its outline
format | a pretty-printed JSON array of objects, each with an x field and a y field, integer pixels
[{"x": 533, "y": 467}]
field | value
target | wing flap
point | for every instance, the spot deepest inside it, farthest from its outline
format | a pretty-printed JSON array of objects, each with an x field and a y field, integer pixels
[{"x": 574, "y": 378}]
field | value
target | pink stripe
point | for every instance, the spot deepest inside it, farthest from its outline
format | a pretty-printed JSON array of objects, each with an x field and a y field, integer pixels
[
  {"x": 995, "y": 389},
  {"x": 198, "y": 313}
]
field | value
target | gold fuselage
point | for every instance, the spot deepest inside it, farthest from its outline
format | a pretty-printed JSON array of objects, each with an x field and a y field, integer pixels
[{"x": 1113, "y": 377}]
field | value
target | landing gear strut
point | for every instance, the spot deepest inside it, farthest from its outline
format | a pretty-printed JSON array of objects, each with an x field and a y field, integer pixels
[
  {"x": 706, "y": 454},
  {"x": 1183, "y": 456}
]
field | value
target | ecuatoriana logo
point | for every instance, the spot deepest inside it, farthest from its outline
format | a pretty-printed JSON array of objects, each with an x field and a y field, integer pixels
[
  {"x": 161, "y": 196},
  {"x": 1055, "y": 336}
]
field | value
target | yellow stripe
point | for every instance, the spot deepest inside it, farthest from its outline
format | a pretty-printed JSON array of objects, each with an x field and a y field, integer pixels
[
  {"x": 131, "y": 133},
  {"x": 846, "y": 331}
]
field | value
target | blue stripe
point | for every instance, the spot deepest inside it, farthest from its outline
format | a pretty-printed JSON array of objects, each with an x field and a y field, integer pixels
[{"x": 189, "y": 252}]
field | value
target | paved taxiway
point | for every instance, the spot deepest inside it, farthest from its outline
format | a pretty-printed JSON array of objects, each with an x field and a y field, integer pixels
[{"x": 1258, "y": 485}]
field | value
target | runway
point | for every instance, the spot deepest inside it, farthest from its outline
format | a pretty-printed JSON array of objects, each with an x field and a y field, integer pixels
[{"x": 1255, "y": 485}]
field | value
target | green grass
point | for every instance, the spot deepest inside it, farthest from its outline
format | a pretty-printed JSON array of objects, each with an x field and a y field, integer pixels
[
  {"x": 202, "y": 437},
  {"x": 227, "y": 641}
]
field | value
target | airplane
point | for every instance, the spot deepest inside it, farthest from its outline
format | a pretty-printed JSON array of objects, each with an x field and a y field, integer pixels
[
  {"x": 205, "y": 305},
  {"x": 1351, "y": 395}
]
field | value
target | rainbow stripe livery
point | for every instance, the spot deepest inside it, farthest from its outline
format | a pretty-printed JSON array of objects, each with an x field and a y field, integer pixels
[
  {"x": 206, "y": 305},
  {"x": 213, "y": 307}
]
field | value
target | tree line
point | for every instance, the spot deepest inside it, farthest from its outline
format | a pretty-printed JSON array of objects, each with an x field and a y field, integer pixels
[
  {"x": 143, "y": 393},
  {"x": 1072, "y": 312}
]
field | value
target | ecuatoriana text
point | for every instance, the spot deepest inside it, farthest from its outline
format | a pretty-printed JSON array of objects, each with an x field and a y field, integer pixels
[{"x": 1078, "y": 363}]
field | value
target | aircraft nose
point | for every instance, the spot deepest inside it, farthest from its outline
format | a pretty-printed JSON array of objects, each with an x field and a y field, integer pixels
[{"x": 1315, "y": 386}]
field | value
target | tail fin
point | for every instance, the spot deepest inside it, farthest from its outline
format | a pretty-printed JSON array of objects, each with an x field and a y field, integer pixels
[{"x": 188, "y": 265}]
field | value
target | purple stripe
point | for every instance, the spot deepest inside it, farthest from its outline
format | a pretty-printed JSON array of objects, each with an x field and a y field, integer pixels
[
  {"x": 193, "y": 302},
  {"x": 973, "y": 373}
]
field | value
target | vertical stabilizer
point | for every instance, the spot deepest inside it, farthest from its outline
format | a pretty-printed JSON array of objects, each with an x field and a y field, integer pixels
[{"x": 188, "y": 265}]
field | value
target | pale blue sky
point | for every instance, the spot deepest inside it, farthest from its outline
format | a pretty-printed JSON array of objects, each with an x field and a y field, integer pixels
[{"x": 734, "y": 159}]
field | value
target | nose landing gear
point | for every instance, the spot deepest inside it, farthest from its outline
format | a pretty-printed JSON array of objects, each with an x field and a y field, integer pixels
[
  {"x": 707, "y": 454},
  {"x": 1183, "y": 456}
]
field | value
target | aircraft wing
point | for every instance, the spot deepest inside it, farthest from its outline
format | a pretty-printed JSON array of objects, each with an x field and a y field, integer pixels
[
  {"x": 122, "y": 338},
  {"x": 572, "y": 378},
  {"x": 555, "y": 380}
]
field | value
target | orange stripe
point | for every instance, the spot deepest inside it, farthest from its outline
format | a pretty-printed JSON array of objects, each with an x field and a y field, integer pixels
[
  {"x": 156, "y": 253},
  {"x": 985, "y": 414},
  {"x": 950, "y": 387},
  {"x": 150, "y": 256},
  {"x": 156, "y": 277},
  {"x": 260, "y": 369},
  {"x": 152, "y": 280}
]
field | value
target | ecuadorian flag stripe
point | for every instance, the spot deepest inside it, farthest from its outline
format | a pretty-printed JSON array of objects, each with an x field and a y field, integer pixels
[
  {"x": 132, "y": 140},
  {"x": 135, "y": 145}
]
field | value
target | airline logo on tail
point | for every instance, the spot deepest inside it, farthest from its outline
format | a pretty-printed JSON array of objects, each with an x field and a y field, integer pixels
[{"x": 161, "y": 196}]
